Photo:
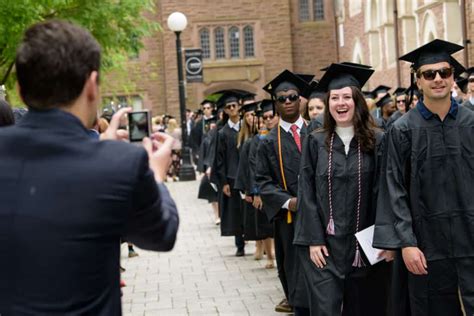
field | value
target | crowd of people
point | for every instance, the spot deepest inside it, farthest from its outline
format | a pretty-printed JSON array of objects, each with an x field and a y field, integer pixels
[
  {"x": 319, "y": 161},
  {"x": 364, "y": 198}
]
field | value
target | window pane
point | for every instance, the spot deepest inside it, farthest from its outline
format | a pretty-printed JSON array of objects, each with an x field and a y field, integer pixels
[
  {"x": 318, "y": 9},
  {"x": 248, "y": 41},
  {"x": 219, "y": 42},
  {"x": 234, "y": 42},
  {"x": 205, "y": 43},
  {"x": 304, "y": 10}
]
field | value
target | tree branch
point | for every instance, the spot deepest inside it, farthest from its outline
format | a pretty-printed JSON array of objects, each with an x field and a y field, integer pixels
[{"x": 9, "y": 70}]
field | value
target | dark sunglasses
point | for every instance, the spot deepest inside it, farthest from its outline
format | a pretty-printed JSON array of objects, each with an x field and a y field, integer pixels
[
  {"x": 470, "y": 80},
  {"x": 232, "y": 105},
  {"x": 431, "y": 74},
  {"x": 291, "y": 98},
  {"x": 268, "y": 117},
  {"x": 400, "y": 101}
]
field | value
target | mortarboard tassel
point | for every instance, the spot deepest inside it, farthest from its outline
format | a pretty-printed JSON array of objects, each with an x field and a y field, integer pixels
[
  {"x": 358, "y": 263},
  {"x": 330, "y": 228}
]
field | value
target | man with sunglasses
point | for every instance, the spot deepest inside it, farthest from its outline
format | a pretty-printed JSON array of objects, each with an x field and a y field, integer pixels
[
  {"x": 199, "y": 128},
  {"x": 469, "y": 103},
  {"x": 426, "y": 203},
  {"x": 278, "y": 160}
]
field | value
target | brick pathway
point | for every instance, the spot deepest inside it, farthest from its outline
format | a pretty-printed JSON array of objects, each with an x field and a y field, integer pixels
[{"x": 201, "y": 276}]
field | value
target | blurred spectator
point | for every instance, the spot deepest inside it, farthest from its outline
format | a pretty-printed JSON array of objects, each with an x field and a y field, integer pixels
[
  {"x": 6, "y": 114},
  {"x": 174, "y": 131}
]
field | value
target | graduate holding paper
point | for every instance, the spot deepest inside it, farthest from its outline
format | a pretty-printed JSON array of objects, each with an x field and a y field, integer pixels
[{"x": 337, "y": 192}]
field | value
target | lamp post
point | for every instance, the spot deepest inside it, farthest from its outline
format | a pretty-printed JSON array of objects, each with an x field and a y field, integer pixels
[{"x": 177, "y": 22}]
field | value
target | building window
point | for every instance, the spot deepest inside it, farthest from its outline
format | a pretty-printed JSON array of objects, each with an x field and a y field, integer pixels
[
  {"x": 248, "y": 42},
  {"x": 205, "y": 43},
  {"x": 219, "y": 43},
  {"x": 304, "y": 10},
  {"x": 234, "y": 42},
  {"x": 318, "y": 10}
]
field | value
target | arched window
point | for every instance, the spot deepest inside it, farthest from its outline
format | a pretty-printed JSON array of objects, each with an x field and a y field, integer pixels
[
  {"x": 248, "y": 42},
  {"x": 219, "y": 42},
  {"x": 318, "y": 10},
  {"x": 205, "y": 43},
  {"x": 234, "y": 42},
  {"x": 303, "y": 10}
]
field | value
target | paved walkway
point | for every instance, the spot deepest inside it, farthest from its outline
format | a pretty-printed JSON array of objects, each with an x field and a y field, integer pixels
[{"x": 201, "y": 276}]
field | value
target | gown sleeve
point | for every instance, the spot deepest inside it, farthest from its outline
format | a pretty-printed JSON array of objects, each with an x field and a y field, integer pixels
[
  {"x": 218, "y": 174},
  {"x": 241, "y": 181},
  {"x": 252, "y": 166},
  {"x": 393, "y": 226},
  {"x": 309, "y": 230},
  {"x": 272, "y": 193}
]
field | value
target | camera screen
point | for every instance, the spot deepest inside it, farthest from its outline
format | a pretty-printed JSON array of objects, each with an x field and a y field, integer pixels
[{"x": 138, "y": 126}]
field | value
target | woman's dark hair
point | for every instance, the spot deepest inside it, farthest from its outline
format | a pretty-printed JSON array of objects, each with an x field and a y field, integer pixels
[
  {"x": 6, "y": 114},
  {"x": 364, "y": 125}
]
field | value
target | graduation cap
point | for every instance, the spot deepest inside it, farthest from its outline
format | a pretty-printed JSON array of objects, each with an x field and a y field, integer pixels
[
  {"x": 247, "y": 96},
  {"x": 470, "y": 72},
  {"x": 380, "y": 89},
  {"x": 314, "y": 92},
  {"x": 249, "y": 107},
  {"x": 266, "y": 105},
  {"x": 434, "y": 52},
  {"x": 368, "y": 94},
  {"x": 306, "y": 78},
  {"x": 348, "y": 63},
  {"x": 458, "y": 68},
  {"x": 285, "y": 81},
  {"x": 399, "y": 91},
  {"x": 207, "y": 101},
  {"x": 227, "y": 97},
  {"x": 386, "y": 99},
  {"x": 462, "y": 83},
  {"x": 339, "y": 76}
]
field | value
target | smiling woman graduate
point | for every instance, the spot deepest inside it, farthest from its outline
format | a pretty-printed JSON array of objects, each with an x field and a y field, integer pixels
[{"x": 336, "y": 198}]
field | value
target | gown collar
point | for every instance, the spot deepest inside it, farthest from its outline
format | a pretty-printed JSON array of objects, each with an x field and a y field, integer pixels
[{"x": 427, "y": 114}]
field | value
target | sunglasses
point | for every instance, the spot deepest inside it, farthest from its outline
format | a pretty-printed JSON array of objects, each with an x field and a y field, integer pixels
[
  {"x": 291, "y": 98},
  {"x": 400, "y": 101},
  {"x": 231, "y": 105},
  {"x": 268, "y": 117},
  {"x": 431, "y": 74}
]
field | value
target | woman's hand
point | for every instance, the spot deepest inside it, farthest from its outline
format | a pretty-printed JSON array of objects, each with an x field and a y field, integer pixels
[
  {"x": 317, "y": 254},
  {"x": 388, "y": 255},
  {"x": 257, "y": 202}
]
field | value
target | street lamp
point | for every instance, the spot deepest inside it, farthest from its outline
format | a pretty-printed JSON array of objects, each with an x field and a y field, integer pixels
[{"x": 177, "y": 22}]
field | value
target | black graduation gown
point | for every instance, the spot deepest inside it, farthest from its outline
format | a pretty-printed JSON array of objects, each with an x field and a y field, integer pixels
[
  {"x": 468, "y": 105},
  {"x": 206, "y": 191},
  {"x": 225, "y": 167},
  {"x": 196, "y": 138},
  {"x": 274, "y": 195},
  {"x": 395, "y": 116},
  {"x": 242, "y": 184},
  {"x": 426, "y": 200},
  {"x": 362, "y": 291},
  {"x": 264, "y": 227}
]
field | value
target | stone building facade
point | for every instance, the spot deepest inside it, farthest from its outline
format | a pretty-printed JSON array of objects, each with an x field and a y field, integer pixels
[{"x": 246, "y": 43}]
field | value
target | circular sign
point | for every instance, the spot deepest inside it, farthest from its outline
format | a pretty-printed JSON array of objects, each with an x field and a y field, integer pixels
[{"x": 193, "y": 66}]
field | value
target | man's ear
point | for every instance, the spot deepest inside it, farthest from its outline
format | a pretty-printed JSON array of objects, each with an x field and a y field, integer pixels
[{"x": 92, "y": 87}]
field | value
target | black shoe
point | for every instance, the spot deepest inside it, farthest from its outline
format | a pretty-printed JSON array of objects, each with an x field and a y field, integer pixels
[
  {"x": 240, "y": 253},
  {"x": 284, "y": 307}
]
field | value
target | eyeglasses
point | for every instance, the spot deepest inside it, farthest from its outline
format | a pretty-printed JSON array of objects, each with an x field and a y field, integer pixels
[
  {"x": 291, "y": 98},
  {"x": 231, "y": 105},
  {"x": 268, "y": 117},
  {"x": 431, "y": 74}
]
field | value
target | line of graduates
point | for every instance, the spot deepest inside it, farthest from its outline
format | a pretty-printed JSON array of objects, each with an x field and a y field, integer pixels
[{"x": 406, "y": 168}]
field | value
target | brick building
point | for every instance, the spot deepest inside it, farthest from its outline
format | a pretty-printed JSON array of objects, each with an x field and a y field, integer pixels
[
  {"x": 367, "y": 32},
  {"x": 246, "y": 43}
]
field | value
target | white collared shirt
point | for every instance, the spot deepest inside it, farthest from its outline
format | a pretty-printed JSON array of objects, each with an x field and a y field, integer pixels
[
  {"x": 287, "y": 126},
  {"x": 235, "y": 126}
]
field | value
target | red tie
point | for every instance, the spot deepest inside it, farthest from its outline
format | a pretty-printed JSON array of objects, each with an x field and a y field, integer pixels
[{"x": 296, "y": 136}]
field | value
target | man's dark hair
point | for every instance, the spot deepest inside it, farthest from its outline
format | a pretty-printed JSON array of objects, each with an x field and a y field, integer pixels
[{"x": 53, "y": 63}]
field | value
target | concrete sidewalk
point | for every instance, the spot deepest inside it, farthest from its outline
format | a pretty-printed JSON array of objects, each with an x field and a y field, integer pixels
[{"x": 201, "y": 276}]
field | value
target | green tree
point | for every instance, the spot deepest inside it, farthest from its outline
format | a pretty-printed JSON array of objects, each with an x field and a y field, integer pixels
[{"x": 118, "y": 25}]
